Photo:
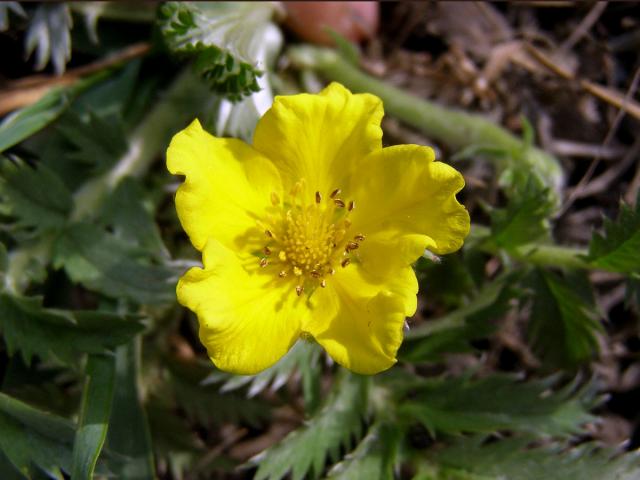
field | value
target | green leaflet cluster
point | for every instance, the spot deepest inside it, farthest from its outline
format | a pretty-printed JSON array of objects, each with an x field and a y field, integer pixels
[{"x": 223, "y": 39}]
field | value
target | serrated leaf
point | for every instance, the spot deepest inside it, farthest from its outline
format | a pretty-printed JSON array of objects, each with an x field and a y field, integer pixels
[
  {"x": 34, "y": 196},
  {"x": 304, "y": 451},
  {"x": 124, "y": 212},
  {"x": 33, "y": 440},
  {"x": 224, "y": 38},
  {"x": 373, "y": 458},
  {"x": 128, "y": 439},
  {"x": 617, "y": 247},
  {"x": 497, "y": 402},
  {"x": 33, "y": 330},
  {"x": 525, "y": 218},
  {"x": 203, "y": 403},
  {"x": 96, "y": 142},
  {"x": 564, "y": 321},
  {"x": 49, "y": 34},
  {"x": 101, "y": 262},
  {"x": 453, "y": 332},
  {"x": 475, "y": 458},
  {"x": 94, "y": 415}
]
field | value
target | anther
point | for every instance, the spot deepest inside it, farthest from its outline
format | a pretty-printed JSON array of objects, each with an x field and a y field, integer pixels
[
  {"x": 338, "y": 202},
  {"x": 299, "y": 290},
  {"x": 282, "y": 274},
  {"x": 275, "y": 200},
  {"x": 323, "y": 283},
  {"x": 315, "y": 273},
  {"x": 332, "y": 271},
  {"x": 263, "y": 262},
  {"x": 352, "y": 246},
  {"x": 352, "y": 205},
  {"x": 345, "y": 262},
  {"x": 267, "y": 251},
  {"x": 268, "y": 233},
  {"x": 318, "y": 197},
  {"x": 359, "y": 237},
  {"x": 335, "y": 192}
]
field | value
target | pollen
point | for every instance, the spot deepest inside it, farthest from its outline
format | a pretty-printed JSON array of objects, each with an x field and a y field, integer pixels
[{"x": 310, "y": 231}]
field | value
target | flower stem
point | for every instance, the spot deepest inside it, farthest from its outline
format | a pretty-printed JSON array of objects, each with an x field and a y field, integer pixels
[{"x": 457, "y": 129}]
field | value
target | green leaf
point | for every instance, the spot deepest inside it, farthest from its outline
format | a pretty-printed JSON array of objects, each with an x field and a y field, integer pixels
[
  {"x": 617, "y": 248},
  {"x": 128, "y": 439},
  {"x": 35, "y": 330},
  {"x": 475, "y": 458},
  {"x": 94, "y": 415},
  {"x": 525, "y": 218},
  {"x": 498, "y": 402},
  {"x": 303, "y": 452},
  {"x": 102, "y": 262},
  {"x": 25, "y": 122},
  {"x": 203, "y": 403},
  {"x": 124, "y": 212},
  {"x": 32, "y": 439},
  {"x": 564, "y": 321},
  {"x": 49, "y": 34},
  {"x": 453, "y": 332},
  {"x": 35, "y": 197},
  {"x": 225, "y": 39},
  {"x": 96, "y": 142},
  {"x": 374, "y": 457}
]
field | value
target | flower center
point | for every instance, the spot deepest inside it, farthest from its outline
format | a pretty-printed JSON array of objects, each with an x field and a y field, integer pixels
[{"x": 309, "y": 236}]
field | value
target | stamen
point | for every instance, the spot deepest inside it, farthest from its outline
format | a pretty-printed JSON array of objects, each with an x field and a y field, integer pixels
[
  {"x": 318, "y": 197},
  {"x": 268, "y": 233},
  {"x": 263, "y": 262},
  {"x": 338, "y": 202},
  {"x": 267, "y": 251},
  {"x": 345, "y": 262},
  {"x": 352, "y": 205},
  {"x": 282, "y": 274},
  {"x": 299, "y": 290},
  {"x": 315, "y": 273},
  {"x": 359, "y": 237},
  {"x": 352, "y": 246},
  {"x": 323, "y": 283},
  {"x": 335, "y": 192}
]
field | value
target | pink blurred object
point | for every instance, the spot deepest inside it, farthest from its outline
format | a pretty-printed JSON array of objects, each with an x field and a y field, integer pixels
[{"x": 355, "y": 21}]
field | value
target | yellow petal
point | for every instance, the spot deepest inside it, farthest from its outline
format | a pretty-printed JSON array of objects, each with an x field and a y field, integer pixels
[
  {"x": 359, "y": 318},
  {"x": 410, "y": 203},
  {"x": 227, "y": 187},
  {"x": 318, "y": 137},
  {"x": 247, "y": 322}
]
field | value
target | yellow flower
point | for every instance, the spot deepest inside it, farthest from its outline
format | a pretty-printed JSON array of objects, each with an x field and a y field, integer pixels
[{"x": 310, "y": 232}]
